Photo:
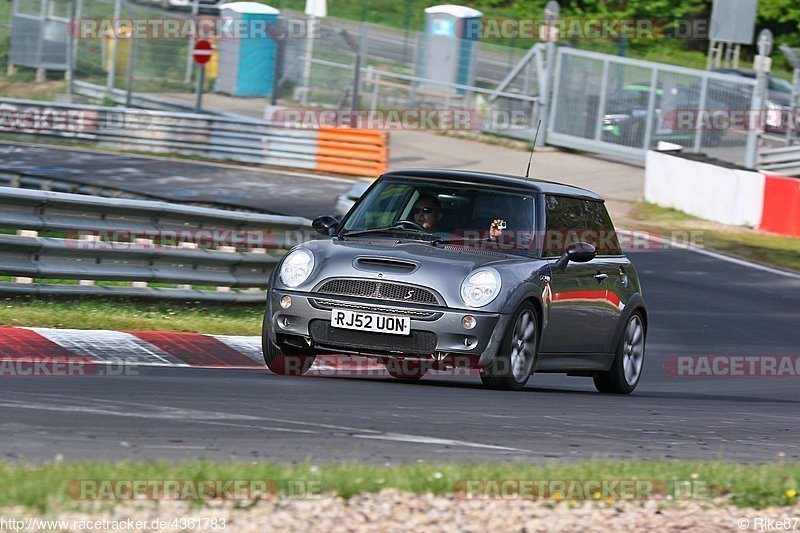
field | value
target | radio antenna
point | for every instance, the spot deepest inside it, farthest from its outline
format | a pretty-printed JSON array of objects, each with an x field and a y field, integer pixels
[{"x": 533, "y": 146}]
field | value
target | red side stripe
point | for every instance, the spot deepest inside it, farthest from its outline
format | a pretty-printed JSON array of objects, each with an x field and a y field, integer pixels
[
  {"x": 195, "y": 349},
  {"x": 20, "y": 343},
  {"x": 608, "y": 296}
]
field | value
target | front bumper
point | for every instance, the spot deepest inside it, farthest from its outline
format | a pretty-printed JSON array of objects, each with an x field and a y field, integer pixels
[{"x": 433, "y": 329}]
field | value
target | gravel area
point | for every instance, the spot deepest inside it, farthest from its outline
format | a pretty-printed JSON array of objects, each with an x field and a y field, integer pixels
[{"x": 395, "y": 511}]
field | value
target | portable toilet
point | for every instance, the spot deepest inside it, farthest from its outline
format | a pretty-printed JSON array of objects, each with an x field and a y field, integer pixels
[
  {"x": 451, "y": 36},
  {"x": 247, "y": 52}
]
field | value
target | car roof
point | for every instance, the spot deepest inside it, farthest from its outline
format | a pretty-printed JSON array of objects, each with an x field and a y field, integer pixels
[{"x": 500, "y": 180}]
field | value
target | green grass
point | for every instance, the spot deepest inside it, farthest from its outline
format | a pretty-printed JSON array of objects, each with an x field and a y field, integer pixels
[
  {"x": 770, "y": 249},
  {"x": 45, "y": 487},
  {"x": 230, "y": 319}
]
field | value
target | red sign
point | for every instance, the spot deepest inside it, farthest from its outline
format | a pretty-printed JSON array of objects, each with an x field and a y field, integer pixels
[{"x": 202, "y": 52}]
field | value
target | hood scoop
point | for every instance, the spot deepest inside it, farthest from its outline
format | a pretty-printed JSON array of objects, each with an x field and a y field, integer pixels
[{"x": 385, "y": 264}]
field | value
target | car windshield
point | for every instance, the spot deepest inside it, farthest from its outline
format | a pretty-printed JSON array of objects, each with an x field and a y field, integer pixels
[{"x": 445, "y": 213}]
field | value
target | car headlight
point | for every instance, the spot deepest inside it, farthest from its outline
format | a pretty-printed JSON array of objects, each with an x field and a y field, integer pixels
[
  {"x": 297, "y": 267},
  {"x": 480, "y": 287}
]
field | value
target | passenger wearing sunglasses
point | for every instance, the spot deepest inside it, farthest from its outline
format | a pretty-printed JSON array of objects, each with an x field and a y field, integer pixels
[{"x": 427, "y": 213}]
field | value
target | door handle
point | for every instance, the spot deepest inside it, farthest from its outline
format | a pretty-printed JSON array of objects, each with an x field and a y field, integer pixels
[{"x": 600, "y": 277}]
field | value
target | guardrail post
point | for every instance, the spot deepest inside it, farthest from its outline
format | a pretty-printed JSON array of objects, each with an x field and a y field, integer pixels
[
  {"x": 25, "y": 233},
  {"x": 229, "y": 249},
  {"x": 88, "y": 238},
  {"x": 140, "y": 241},
  {"x": 184, "y": 286}
]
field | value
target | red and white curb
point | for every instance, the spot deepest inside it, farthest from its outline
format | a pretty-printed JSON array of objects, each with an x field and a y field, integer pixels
[
  {"x": 155, "y": 348},
  {"x": 152, "y": 348}
]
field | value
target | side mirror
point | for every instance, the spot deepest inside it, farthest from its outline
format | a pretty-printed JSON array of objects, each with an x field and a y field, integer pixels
[
  {"x": 325, "y": 225},
  {"x": 579, "y": 252}
]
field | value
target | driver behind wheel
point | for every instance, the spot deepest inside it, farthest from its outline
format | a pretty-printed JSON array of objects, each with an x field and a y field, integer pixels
[{"x": 427, "y": 212}]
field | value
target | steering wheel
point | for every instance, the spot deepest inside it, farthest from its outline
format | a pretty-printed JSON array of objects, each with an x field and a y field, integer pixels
[{"x": 409, "y": 223}]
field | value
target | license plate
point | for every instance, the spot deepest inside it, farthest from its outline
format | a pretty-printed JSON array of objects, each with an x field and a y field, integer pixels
[{"x": 397, "y": 325}]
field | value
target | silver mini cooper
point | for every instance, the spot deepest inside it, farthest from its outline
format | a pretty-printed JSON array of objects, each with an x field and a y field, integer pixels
[{"x": 434, "y": 269}]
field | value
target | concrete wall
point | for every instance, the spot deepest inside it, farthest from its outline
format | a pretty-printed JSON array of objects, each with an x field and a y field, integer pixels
[{"x": 720, "y": 194}]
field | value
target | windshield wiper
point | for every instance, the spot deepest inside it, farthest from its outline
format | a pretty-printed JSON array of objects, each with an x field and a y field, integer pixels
[
  {"x": 459, "y": 240},
  {"x": 394, "y": 227}
]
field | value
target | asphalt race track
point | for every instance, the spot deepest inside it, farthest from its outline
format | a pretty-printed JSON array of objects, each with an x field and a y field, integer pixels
[
  {"x": 699, "y": 305},
  {"x": 180, "y": 180}
]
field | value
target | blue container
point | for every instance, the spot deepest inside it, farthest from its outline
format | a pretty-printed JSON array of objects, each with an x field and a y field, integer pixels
[
  {"x": 247, "y": 49},
  {"x": 451, "y": 35}
]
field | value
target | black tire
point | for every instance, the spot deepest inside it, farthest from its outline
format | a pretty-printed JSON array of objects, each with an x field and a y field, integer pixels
[
  {"x": 616, "y": 381},
  {"x": 500, "y": 374},
  {"x": 407, "y": 369},
  {"x": 283, "y": 364}
]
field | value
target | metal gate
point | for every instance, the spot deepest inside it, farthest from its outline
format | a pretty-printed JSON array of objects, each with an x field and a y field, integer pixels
[{"x": 624, "y": 107}]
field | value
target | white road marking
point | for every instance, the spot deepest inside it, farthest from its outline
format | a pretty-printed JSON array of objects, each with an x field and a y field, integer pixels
[
  {"x": 188, "y": 415},
  {"x": 213, "y": 417},
  {"x": 709, "y": 253},
  {"x": 401, "y": 437}
]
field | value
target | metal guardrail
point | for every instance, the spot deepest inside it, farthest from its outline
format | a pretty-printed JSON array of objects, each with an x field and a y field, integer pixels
[
  {"x": 139, "y": 242},
  {"x": 96, "y": 92},
  {"x": 784, "y": 160},
  {"x": 353, "y": 151}
]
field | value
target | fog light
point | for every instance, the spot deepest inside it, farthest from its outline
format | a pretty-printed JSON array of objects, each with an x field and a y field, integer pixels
[
  {"x": 286, "y": 301},
  {"x": 285, "y": 322},
  {"x": 469, "y": 322}
]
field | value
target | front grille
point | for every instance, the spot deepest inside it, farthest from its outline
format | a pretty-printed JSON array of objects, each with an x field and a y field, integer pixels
[
  {"x": 330, "y": 304},
  {"x": 379, "y": 290},
  {"x": 418, "y": 342}
]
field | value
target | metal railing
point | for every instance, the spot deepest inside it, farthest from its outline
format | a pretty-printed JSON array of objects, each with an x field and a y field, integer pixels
[
  {"x": 783, "y": 160},
  {"x": 223, "y": 137},
  {"x": 98, "y": 93},
  {"x": 624, "y": 107},
  {"x": 491, "y": 110},
  {"x": 190, "y": 253}
]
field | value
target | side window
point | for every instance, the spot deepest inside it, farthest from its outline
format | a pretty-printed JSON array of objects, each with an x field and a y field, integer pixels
[
  {"x": 565, "y": 224},
  {"x": 601, "y": 233}
]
